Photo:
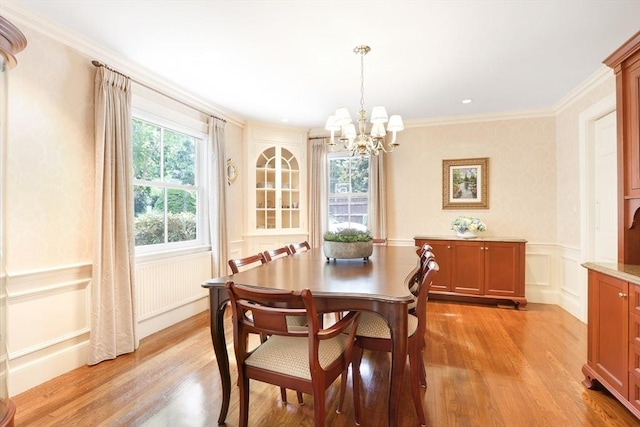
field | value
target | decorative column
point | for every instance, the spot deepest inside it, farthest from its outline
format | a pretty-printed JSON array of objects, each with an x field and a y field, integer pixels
[{"x": 12, "y": 41}]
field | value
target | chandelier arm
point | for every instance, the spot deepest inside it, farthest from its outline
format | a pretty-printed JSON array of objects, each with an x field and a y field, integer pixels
[{"x": 363, "y": 143}]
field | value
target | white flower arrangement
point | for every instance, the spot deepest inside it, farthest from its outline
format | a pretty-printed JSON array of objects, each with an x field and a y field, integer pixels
[{"x": 464, "y": 223}]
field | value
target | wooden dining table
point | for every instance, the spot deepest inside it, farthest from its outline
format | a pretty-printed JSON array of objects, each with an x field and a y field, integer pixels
[{"x": 380, "y": 285}]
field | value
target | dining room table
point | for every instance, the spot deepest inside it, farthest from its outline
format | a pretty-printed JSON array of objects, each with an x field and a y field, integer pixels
[{"x": 380, "y": 284}]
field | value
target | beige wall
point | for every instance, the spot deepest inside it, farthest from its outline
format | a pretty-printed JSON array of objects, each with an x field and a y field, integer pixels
[
  {"x": 50, "y": 157},
  {"x": 522, "y": 178},
  {"x": 234, "y": 150},
  {"x": 568, "y": 153}
]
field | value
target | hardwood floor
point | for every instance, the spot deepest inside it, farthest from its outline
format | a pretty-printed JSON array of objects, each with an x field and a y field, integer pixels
[{"x": 486, "y": 366}]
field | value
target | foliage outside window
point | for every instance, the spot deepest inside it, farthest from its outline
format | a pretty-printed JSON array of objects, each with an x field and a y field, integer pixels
[
  {"x": 166, "y": 194},
  {"x": 348, "y": 193}
]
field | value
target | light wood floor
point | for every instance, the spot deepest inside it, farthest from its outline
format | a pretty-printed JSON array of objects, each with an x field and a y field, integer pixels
[{"x": 486, "y": 366}]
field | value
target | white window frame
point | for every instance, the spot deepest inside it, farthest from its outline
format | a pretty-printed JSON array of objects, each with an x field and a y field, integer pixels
[
  {"x": 202, "y": 214},
  {"x": 332, "y": 156}
]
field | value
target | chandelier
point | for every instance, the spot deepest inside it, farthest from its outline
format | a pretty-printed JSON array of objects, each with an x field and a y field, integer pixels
[{"x": 363, "y": 143}]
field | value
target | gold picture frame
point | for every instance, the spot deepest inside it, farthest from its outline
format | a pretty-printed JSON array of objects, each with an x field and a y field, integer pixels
[{"x": 465, "y": 183}]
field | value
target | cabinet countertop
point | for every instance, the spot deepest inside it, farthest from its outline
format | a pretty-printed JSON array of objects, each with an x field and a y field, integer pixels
[
  {"x": 479, "y": 238},
  {"x": 627, "y": 272}
]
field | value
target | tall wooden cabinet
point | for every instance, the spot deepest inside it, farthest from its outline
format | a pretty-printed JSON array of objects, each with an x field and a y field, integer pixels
[
  {"x": 625, "y": 62},
  {"x": 490, "y": 268},
  {"x": 613, "y": 346}
]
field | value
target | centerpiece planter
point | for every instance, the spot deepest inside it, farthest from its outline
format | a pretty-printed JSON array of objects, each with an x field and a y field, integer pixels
[{"x": 348, "y": 244}]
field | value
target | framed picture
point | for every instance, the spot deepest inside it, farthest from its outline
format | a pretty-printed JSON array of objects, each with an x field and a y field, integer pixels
[{"x": 465, "y": 184}]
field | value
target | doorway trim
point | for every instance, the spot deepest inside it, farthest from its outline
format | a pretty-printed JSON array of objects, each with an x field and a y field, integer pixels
[
  {"x": 586, "y": 122},
  {"x": 586, "y": 140}
]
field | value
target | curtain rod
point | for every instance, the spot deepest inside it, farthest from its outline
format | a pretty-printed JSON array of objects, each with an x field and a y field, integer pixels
[{"x": 100, "y": 64}]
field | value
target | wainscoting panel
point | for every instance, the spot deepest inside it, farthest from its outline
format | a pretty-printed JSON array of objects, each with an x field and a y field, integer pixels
[
  {"x": 170, "y": 290},
  {"x": 541, "y": 273},
  {"x": 48, "y": 323},
  {"x": 573, "y": 289}
]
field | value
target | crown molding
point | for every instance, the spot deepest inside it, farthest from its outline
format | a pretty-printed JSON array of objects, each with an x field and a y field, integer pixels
[
  {"x": 600, "y": 76},
  {"x": 473, "y": 118},
  {"x": 19, "y": 15}
]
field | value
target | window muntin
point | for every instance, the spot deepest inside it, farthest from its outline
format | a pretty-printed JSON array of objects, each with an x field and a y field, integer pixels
[
  {"x": 167, "y": 195},
  {"x": 348, "y": 192}
]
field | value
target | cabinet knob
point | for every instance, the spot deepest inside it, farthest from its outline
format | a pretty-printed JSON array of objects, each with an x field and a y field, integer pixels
[
  {"x": 622, "y": 295},
  {"x": 448, "y": 246}
]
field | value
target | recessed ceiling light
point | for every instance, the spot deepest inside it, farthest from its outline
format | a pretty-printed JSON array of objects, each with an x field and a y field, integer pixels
[
  {"x": 467, "y": 101},
  {"x": 285, "y": 120}
]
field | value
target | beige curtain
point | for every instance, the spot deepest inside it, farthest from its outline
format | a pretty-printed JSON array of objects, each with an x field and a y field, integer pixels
[
  {"x": 377, "y": 197},
  {"x": 113, "y": 310},
  {"x": 217, "y": 197},
  {"x": 317, "y": 190}
]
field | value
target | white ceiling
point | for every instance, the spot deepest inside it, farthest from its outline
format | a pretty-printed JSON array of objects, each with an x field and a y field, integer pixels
[{"x": 273, "y": 60}]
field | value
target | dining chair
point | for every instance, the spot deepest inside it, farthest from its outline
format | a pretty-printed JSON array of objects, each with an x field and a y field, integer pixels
[
  {"x": 252, "y": 261},
  {"x": 373, "y": 334},
  {"x": 277, "y": 253},
  {"x": 299, "y": 247},
  {"x": 308, "y": 360}
]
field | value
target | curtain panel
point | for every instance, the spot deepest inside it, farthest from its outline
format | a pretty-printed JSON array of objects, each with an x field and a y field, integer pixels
[
  {"x": 317, "y": 190},
  {"x": 113, "y": 308},
  {"x": 217, "y": 197},
  {"x": 377, "y": 197}
]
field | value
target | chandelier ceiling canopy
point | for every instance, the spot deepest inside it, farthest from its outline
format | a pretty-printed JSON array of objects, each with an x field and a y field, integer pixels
[{"x": 361, "y": 142}]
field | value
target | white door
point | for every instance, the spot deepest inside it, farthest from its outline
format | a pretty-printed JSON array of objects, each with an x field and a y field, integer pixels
[{"x": 605, "y": 190}]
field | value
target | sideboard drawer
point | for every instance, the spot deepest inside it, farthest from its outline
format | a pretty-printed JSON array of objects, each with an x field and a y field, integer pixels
[
  {"x": 634, "y": 361},
  {"x": 634, "y": 329},
  {"x": 634, "y": 299},
  {"x": 634, "y": 391}
]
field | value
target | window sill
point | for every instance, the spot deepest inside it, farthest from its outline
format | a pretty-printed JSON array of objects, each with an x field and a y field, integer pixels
[{"x": 162, "y": 255}]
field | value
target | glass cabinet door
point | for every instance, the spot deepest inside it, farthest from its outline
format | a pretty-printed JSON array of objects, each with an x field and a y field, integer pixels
[
  {"x": 290, "y": 190},
  {"x": 277, "y": 178},
  {"x": 266, "y": 189}
]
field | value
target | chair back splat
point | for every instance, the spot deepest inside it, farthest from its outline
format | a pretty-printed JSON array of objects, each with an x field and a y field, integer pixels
[
  {"x": 302, "y": 359},
  {"x": 253, "y": 260},
  {"x": 299, "y": 247},
  {"x": 276, "y": 253}
]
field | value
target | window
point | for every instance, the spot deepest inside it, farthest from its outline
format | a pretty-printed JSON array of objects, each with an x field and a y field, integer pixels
[
  {"x": 348, "y": 192},
  {"x": 168, "y": 198}
]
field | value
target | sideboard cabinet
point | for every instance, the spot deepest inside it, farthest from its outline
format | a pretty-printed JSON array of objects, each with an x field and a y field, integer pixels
[
  {"x": 490, "y": 268},
  {"x": 613, "y": 332}
]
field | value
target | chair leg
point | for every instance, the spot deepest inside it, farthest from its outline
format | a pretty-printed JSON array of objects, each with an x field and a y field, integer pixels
[
  {"x": 283, "y": 394},
  {"x": 300, "y": 401},
  {"x": 319, "y": 404},
  {"x": 243, "y": 385},
  {"x": 355, "y": 374},
  {"x": 343, "y": 388},
  {"x": 423, "y": 370},
  {"x": 414, "y": 377}
]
